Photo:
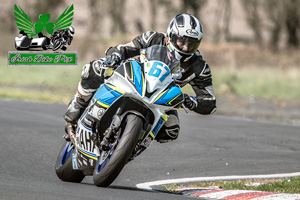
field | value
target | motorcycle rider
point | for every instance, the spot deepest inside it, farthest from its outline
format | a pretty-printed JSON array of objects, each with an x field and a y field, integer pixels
[{"x": 183, "y": 37}]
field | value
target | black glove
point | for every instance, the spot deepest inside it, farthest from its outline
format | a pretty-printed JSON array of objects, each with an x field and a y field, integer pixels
[
  {"x": 113, "y": 59},
  {"x": 190, "y": 102}
]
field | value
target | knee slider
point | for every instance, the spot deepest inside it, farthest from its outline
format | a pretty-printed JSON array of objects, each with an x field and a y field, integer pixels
[{"x": 172, "y": 131}]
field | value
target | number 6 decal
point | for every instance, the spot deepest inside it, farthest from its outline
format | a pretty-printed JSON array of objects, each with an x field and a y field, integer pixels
[{"x": 156, "y": 71}]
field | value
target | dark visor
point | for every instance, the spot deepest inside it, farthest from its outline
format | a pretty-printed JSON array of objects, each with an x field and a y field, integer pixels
[{"x": 185, "y": 44}]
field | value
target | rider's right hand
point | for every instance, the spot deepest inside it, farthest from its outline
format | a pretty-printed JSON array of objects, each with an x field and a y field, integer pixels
[{"x": 113, "y": 59}]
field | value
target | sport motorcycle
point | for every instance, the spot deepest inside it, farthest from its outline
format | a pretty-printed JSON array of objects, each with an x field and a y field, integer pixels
[{"x": 122, "y": 119}]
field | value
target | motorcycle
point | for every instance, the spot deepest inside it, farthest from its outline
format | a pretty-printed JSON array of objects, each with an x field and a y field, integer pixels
[{"x": 122, "y": 119}]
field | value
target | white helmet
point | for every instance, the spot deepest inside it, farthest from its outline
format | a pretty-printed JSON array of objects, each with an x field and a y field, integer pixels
[{"x": 184, "y": 35}]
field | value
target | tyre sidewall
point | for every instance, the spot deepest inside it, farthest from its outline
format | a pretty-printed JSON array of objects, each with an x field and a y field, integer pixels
[
  {"x": 65, "y": 171},
  {"x": 121, "y": 153}
]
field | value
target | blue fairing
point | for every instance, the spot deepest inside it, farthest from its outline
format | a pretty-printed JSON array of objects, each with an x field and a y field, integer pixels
[
  {"x": 137, "y": 77},
  {"x": 106, "y": 95},
  {"x": 170, "y": 97}
]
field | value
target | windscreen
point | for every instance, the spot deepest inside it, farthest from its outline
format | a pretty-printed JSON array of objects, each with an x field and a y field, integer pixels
[{"x": 161, "y": 53}]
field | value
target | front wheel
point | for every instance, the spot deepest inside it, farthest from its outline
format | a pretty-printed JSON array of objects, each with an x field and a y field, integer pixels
[
  {"x": 108, "y": 167},
  {"x": 63, "y": 166}
]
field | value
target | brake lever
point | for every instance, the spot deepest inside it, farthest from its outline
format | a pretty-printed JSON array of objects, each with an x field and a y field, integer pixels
[
  {"x": 104, "y": 66},
  {"x": 185, "y": 108}
]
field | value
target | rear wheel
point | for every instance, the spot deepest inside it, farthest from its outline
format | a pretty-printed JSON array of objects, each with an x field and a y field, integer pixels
[
  {"x": 111, "y": 162},
  {"x": 63, "y": 166}
]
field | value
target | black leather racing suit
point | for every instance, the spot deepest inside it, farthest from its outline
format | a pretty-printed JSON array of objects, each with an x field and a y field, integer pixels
[{"x": 195, "y": 71}]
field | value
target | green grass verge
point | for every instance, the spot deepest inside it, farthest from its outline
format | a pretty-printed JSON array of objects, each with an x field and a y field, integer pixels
[
  {"x": 58, "y": 83},
  {"x": 42, "y": 83},
  {"x": 51, "y": 76},
  {"x": 260, "y": 82},
  {"x": 28, "y": 94},
  {"x": 286, "y": 185}
]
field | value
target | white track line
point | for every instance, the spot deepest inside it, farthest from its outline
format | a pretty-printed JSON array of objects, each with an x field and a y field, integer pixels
[{"x": 148, "y": 185}]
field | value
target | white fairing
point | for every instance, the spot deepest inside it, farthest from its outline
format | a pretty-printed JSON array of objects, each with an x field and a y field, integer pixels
[
  {"x": 157, "y": 79},
  {"x": 154, "y": 83},
  {"x": 150, "y": 83}
]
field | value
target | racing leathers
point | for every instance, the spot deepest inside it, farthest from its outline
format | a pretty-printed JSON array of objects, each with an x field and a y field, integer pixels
[{"x": 195, "y": 71}]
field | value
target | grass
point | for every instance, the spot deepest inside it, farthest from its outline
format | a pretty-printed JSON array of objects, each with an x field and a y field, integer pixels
[
  {"x": 55, "y": 76},
  {"x": 58, "y": 83},
  {"x": 286, "y": 185},
  {"x": 260, "y": 82},
  {"x": 29, "y": 94},
  {"x": 43, "y": 83}
]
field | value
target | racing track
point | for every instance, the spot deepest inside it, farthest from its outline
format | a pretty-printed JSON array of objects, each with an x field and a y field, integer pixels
[{"x": 31, "y": 135}]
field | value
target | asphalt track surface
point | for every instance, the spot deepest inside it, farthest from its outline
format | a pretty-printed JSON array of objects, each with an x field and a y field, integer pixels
[{"x": 31, "y": 136}]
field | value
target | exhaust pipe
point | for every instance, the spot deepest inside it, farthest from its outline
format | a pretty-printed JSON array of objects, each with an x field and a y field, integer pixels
[{"x": 70, "y": 131}]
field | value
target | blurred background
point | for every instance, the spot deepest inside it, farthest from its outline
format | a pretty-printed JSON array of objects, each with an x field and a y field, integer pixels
[{"x": 252, "y": 47}]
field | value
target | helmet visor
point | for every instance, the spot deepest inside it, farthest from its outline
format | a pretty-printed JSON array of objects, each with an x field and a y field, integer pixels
[{"x": 185, "y": 44}]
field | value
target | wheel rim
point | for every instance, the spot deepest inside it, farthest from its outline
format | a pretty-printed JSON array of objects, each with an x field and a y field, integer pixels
[{"x": 105, "y": 156}]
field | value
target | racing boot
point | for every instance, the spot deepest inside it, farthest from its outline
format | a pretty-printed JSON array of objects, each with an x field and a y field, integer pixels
[{"x": 77, "y": 104}]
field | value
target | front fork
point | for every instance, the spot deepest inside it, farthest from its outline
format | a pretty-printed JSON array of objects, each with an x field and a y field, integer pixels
[{"x": 110, "y": 133}]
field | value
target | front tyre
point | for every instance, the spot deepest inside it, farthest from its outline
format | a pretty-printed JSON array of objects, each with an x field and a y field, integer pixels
[
  {"x": 63, "y": 166},
  {"x": 106, "y": 171}
]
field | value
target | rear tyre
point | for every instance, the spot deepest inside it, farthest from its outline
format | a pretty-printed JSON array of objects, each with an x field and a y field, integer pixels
[
  {"x": 63, "y": 166},
  {"x": 106, "y": 172}
]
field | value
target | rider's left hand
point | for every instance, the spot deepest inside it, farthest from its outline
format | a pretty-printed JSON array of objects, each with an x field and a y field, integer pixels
[{"x": 113, "y": 59}]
